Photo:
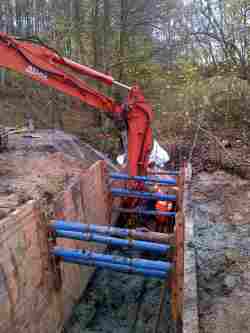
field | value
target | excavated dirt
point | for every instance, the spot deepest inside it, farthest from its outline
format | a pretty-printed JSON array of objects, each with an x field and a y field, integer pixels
[
  {"x": 222, "y": 241},
  {"x": 40, "y": 165}
]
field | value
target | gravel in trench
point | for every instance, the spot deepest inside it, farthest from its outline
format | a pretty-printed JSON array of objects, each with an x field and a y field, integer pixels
[{"x": 120, "y": 303}]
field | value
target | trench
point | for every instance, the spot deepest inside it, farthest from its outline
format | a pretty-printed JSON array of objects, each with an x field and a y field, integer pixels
[
  {"x": 115, "y": 302},
  {"x": 122, "y": 303}
]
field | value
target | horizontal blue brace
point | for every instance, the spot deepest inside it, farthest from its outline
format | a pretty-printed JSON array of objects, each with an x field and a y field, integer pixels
[
  {"x": 120, "y": 192},
  {"x": 119, "y": 268},
  {"x": 165, "y": 172},
  {"x": 89, "y": 256},
  {"x": 98, "y": 229},
  {"x": 144, "y": 212},
  {"x": 134, "y": 244},
  {"x": 122, "y": 176}
]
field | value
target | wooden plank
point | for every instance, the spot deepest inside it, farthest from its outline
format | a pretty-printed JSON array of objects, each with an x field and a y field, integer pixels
[
  {"x": 180, "y": 185},
  {"x": 177, "y": 279},
  {"x": 180, "y": 222},
  {"x": 173, "y": 284}
]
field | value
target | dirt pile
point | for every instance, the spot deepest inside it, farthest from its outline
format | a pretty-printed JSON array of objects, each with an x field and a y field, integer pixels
[{"x": 40, "y": 165}]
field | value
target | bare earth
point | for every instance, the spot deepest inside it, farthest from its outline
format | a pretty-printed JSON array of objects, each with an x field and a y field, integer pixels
[
  {"x": 221, "y": 212},
  {"x": 40, "y": 166}
]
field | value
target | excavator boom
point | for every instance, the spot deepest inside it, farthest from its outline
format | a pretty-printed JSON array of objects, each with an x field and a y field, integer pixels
[{"x": 43, "y": 64}]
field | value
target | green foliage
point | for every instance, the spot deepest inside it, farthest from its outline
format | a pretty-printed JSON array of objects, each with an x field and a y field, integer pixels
[
  {"x": 122, "y": 41},
  {"x": 63, "y": 28},
  {"x": 189, "y": 72}
]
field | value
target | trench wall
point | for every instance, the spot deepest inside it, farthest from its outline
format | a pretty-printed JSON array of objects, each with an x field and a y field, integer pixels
[
  {"x": 190, "y": 295},
  {"x": 28, "y": 300}
]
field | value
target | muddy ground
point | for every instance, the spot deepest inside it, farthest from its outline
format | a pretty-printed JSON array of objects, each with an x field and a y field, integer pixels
[{"x": 221, "y": 214}]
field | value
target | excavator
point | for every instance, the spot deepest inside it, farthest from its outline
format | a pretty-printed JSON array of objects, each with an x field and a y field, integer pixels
[
  {"x": 41, "y": 63},
  {"x": 31, "y": 57}
]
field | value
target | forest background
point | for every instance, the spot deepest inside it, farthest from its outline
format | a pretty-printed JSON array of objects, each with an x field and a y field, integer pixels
[{"x": 191, "y": 58}]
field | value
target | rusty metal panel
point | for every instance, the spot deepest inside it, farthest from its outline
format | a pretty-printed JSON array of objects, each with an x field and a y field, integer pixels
[{"x": 94, "y": 194}]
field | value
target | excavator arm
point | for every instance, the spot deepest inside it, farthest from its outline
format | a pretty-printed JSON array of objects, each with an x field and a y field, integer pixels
[{"x": 43, "y": 64}]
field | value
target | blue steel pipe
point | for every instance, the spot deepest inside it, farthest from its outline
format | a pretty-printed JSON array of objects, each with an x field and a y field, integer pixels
[
  {"x": 119, "y": 268},
  {"x": 165, "y": 172},
  {"x": 98, "y": 229},
  {"x": 122, "y": 176},
  {"x": 144, "y": 212},
  {"x": 89, "y": 228},
  {"x": 89, "y": 256},
  {"x": 120, "y": 192},
  {"x": 134, "y": 244},
  {"x": 105, "y": 230}
]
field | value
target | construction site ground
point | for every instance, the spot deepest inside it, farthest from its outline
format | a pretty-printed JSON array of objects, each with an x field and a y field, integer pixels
[
  {"x": 221, "y": 213},
  {"x": 39, "y": 165}
]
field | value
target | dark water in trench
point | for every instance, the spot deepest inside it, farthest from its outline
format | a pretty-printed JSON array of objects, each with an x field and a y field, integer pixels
[{"x": 120, "y": 303}]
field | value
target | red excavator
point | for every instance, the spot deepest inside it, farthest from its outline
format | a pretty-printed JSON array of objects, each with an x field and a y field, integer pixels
[{"x": 41, "y": 63}]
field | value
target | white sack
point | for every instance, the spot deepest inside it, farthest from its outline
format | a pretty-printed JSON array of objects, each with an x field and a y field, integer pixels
[{"x": 158, "y": 155}]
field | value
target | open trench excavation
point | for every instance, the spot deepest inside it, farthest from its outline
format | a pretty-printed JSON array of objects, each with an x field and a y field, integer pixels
[
  {"x": 38, "y": 167},
  {"x": 116, "y": 302},
  {"x": 122, "y": 303}
]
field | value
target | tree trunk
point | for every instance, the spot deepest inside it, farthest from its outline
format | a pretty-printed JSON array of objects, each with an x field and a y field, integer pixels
[
  {"x": 77, "y": 28},
  {"x": 4, "y": 29},
  {"x": 106, "y": 34},
  {"x": 123, "y": 36},
  {"x": 97, "y": 51}
]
